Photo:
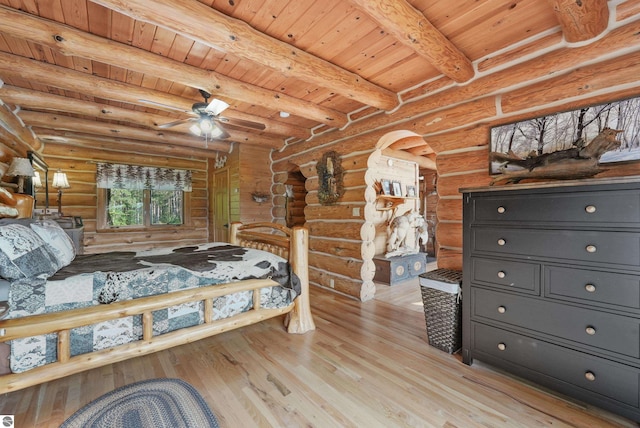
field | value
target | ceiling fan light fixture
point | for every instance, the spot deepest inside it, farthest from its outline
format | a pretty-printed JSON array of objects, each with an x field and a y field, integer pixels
[
  {"x": 195, "y": 129},
  {"x": 216, "y": 132},
  {"x": 216, "y": 107},
  {"x": 205, "y": 124}
]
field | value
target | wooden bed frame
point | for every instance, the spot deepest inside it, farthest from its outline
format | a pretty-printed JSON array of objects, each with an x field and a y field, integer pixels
[{"x": 291, "y": 244}]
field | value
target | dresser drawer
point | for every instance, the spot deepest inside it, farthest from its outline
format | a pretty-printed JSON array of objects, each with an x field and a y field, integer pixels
[
  {"x": 593, "y": 287},
  {"x": 621, "y": 206},
  {"x": 516, "y": 276},
  {"x": 598, "y": 375},
  {"x": 615, "y": 333},
  {"x": 621, "y": 248}
]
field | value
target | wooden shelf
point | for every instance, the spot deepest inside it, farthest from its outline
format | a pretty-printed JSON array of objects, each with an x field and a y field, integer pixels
[{"x": 390, "y": 202}]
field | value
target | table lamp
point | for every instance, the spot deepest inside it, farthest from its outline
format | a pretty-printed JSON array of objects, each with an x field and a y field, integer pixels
[{"x": 60, "y": 182}]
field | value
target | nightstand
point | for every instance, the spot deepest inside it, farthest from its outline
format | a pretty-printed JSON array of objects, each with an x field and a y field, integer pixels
[{"x": 76, "y": 233}]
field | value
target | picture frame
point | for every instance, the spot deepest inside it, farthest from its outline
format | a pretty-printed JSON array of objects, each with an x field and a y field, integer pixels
[
  {"x": 411, "y": 191},
  {"x": 396, "y": 188},
  {"x": 386, "y": 186},
  {"x": 565, "y": 130}
]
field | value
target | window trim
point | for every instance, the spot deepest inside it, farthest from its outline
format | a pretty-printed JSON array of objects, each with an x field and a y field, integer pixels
[{"x": 103, "y": 226}]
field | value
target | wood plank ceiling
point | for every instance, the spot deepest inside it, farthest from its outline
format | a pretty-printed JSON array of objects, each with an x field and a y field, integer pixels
[{"x": 81, "y": 70}]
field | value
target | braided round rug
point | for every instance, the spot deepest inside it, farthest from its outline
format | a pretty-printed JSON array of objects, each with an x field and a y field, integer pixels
[{"x": 170, "y": 403}]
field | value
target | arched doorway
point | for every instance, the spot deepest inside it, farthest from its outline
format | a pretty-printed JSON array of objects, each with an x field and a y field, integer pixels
[{"x": 393, "y": 159}]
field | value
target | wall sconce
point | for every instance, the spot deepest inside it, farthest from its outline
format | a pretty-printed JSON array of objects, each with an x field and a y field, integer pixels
[
  {"x": 60, "y": 182},
  {"x": 21, "y": 168}
]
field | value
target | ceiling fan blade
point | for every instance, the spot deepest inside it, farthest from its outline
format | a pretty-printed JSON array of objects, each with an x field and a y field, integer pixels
[
  {"x": 164, "y": 106},
  {"x": 216, "y": 107},
  {"x": 242, "y": 122},
  {"x": 174, "y": 123}
]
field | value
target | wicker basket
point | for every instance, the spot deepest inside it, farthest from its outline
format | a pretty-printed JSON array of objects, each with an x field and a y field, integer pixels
[{"x": 440, "y": 290}]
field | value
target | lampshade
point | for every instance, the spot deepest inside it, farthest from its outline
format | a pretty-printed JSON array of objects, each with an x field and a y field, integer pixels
[
  {"x": 195, "y": 129},
  {"x": 36, "y": 179},
  {"x": 20, "y": 167},
  {"x": 60, "y": 180},
  {"x": 205, "y": 124}
]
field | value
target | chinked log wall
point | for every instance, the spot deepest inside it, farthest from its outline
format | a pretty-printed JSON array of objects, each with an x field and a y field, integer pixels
[
  {"x": 80, "y": 200},
  {"x": 566, "y": 77}
]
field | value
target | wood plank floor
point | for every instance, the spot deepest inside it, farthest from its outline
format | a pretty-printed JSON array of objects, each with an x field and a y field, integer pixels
[{"x": 366, "y": 365}]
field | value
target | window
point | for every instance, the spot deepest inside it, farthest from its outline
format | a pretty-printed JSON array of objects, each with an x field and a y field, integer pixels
[
  {"x": 127, "y": 207},
  {"x": 137, "y": 197},
  {"x": 166, "y": 207}
]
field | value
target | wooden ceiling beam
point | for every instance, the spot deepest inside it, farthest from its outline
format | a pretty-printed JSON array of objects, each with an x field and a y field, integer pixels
[
  {"x": 68, "y": 123},
  {"x": 22, "y": 137},
  {"x": 411, "y": 28},
  {"x": 84, "y": 83},
  {"x": 581, "y": 20},
  {"x": 36, "y": 100},
  {"x": 72, "y": 42},
  {"x": 65, "y": 139},
  {"x": 200, "y": 22}
]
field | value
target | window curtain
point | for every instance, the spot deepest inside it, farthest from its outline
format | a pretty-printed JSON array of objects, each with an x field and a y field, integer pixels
[{"x": 134, "y": 177}]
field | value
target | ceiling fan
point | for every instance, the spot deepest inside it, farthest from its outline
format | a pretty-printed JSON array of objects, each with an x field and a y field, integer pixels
[{"x": 208, "y": 121}]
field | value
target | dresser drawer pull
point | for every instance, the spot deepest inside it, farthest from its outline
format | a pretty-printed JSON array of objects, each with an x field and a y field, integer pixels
[
  {"x": 590, "y": 376},
  {"x": 590, "y": 288},
  {"x": 501, "y": 242},
  {"x": 590, "y": 330},
  {"x": 502, "y": 346},
  {"x": 502, "y": 309},
  {"x": 591, "y": 248},
  {"x": 501, "y": 274},
  {"x": 590, "y": 209},
  {"x": 501, "y": 210}
]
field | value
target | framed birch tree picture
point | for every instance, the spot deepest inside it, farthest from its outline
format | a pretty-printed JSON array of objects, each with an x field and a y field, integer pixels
[{"x": 603, "y": 134}]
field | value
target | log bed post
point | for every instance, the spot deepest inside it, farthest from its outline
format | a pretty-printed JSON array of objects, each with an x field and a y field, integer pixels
[{"x": 299, "y": 320}]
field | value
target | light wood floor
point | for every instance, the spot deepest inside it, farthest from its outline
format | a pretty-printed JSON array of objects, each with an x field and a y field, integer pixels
[{"x": 367, "y": 365}]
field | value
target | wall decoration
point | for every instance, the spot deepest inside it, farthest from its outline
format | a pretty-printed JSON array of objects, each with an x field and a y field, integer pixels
[
  {"x": 330, "y": 178},
  {"x": 411, "y": 191},
  {"x": 573, "y": 144},
  {"x": 220, "y": 161}
]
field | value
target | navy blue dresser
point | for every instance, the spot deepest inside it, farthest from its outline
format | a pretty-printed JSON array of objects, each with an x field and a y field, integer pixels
[{"x": 551, "y": 286}]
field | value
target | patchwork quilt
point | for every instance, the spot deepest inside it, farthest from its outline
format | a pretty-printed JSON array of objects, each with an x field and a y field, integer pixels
[{"x": 105, "y": 278}]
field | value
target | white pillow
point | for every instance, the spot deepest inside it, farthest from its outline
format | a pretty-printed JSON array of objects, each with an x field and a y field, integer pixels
[
  {"x": 23, "y": 254},
  {"x": 56, "y": 239}
]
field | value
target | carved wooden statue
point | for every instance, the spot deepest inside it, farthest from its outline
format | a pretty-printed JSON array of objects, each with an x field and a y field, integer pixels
[{"x": 405, "y": 234}]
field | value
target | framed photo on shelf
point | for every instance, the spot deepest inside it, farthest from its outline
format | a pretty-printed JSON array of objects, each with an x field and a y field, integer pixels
[
  {"x": 411, "y": 191},
  {"x": 396, "y": 188},
  {"x": 386, "y": 186}
]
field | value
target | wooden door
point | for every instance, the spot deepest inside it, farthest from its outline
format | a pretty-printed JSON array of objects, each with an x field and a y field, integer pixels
[{"x": 221, "y": 206}]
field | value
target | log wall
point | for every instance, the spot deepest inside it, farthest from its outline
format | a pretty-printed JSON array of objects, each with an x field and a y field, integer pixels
[
  {"x": 79, "y": 162},
  {"x": 455, "y": 122},
  {"x": 254, "y": 175}
]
